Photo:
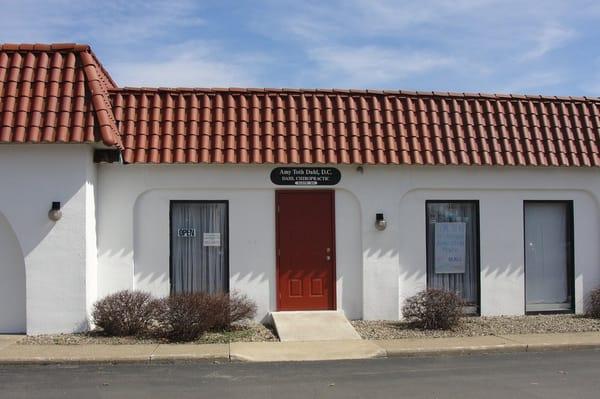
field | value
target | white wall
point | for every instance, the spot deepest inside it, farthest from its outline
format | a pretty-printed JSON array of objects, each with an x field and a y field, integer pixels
[
  {"x": 55, "y": 254},
  {"x": 251, "y": 238},
  {"x": 376, "y": 270},
  {"x": 133, "y": 230},
  {"x": 91, "y": 254},
  {"x": 13, "y": 314}
]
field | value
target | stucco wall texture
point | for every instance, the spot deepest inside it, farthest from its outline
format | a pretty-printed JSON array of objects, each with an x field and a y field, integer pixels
[
  {"x": 376, "y": 270},
  {"x": 57, "y": 257},
  {"x": 114, "y": 233}
]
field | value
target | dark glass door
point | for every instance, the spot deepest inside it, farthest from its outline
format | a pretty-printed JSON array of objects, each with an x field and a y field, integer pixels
[{"x": 199, "y": 246}]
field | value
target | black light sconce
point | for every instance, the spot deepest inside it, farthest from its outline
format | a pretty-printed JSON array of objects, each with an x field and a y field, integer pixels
[
  {"x": 380, "y": 222},
  {"x": 55, "y": 213}
]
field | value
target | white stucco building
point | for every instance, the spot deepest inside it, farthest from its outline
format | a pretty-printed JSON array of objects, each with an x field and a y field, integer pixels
[{"x": 301, "y": 199}]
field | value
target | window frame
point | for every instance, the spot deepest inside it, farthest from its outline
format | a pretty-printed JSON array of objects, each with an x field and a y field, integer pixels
[
  {"x": 477, "y": 244},
  {"x": 226, "y": 238}
]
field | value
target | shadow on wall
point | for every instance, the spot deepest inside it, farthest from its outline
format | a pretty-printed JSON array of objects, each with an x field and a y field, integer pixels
[
  {"x": 31, "y": 244},
  {"x": 399, "y": 280},
  {"x": 151, "y": 240},
  {"x": 139, "y": 255},
  {"x": 12, "y": 281},
  {"x": 135, "y": 250},
  {"x": 383, "y": 285},
  {"x": 504, "y": 291}
]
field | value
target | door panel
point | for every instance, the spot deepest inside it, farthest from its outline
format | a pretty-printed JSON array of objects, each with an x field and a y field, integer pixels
[
  {"x": 199, "y": 247},
  {"x": 306, "y": 250},
  {"x": 547, "y": 256}
]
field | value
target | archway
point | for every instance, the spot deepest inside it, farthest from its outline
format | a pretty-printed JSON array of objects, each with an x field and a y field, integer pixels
[{"x": 12, "y": 281}]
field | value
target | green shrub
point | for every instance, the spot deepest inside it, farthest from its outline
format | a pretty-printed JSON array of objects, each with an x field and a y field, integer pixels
[{"x": 433, "y": 309}]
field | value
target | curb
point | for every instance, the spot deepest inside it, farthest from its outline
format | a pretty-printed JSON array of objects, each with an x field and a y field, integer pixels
[
  {"x": 455, "y": 351},
  {"x": 300, "y": 351},
  {"x": 480, "y": 350},
  {"x": 57, "y": 361},
  {"x": 563, "y": 347},
  {"x": 230, "y": 356},
  {"x": 66, "y": 361}
]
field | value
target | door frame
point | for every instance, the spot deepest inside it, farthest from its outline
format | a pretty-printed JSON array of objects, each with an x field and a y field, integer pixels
[
  {"x": 477, "y": 244},
  {"x": 333, "y": 291},
  {"x": 570, "y": 258},
  {"x": 225, "y": 238}
]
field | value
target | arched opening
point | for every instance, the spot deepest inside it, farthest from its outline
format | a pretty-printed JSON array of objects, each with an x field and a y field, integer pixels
[{"x": 12, "y": 281}]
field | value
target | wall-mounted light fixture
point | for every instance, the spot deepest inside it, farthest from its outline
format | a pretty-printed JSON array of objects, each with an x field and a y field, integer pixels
[
  {"x": 380, "y": 222},
  {"x": 55, "y": 213}
]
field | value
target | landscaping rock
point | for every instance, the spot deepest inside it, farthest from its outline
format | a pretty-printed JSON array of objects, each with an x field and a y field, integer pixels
[
  {"x": 478, "y": 326},
  {"x": 243, "y": 332}
]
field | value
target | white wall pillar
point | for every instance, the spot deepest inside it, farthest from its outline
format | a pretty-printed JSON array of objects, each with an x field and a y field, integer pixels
[{"x": 56, "y": 254}]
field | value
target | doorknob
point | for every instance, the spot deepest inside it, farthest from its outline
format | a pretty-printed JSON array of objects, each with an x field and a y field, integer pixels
[{"x": 328, "y": 257}]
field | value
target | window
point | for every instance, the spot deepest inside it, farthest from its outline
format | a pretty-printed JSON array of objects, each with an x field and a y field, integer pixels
[
  {"x": 199, "y": 246},
  {"x": 453, "y": 249}
]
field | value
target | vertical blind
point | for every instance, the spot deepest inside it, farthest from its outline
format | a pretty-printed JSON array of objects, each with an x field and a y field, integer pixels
[
  {"x": 199, "y": 247},
  {"x": 465, "y": 284}
]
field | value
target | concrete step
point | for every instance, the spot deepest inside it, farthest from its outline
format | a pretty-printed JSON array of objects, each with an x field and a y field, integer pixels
[
  {"x": 305, "y": 351},
  {"x": 313, "y": 326}
]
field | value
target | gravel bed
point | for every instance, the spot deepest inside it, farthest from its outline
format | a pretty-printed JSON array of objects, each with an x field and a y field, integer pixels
[
  {"x": 368, "y": 329},
  {"x": 248, "y": 332},
  {"x": 477, "y": 326}
]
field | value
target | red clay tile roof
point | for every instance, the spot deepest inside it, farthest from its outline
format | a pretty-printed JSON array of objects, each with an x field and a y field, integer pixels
[
  {"x": 54, "y": 94},
  {"x": 61, "y": 93},
  {"x": 355, "y": 127}
]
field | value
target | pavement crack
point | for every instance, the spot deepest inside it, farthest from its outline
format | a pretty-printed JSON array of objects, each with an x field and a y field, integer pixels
[
  {"x": 508, "y": 339},
  {"x": 152, "y": 353}
]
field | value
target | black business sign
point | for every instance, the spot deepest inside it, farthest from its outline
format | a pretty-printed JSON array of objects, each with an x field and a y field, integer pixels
[{"x": 303, "y": 176}]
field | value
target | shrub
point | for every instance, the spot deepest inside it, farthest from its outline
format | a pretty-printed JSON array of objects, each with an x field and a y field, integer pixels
[
  {"x": 240, "y": 308},
  {"x": 433, "y": 309},
  {"x": 126, "y": 313},
  {"x": 593, "y": 304},
  {"x": 185, "y": 317}
]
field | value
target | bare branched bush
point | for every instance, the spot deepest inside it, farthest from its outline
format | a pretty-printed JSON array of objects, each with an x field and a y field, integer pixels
[
  {"x": 433, "y": 309},
  {"x": 126, "y": 313},
  {"x": 592, "y": 308},
  {"x": 186, "y": 317}
]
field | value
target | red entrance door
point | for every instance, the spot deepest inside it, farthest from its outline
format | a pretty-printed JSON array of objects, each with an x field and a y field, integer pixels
[{"x": 305, "y": 250}]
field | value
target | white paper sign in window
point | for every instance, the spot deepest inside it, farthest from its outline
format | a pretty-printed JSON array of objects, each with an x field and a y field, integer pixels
[
  {"x": 211, "y": 239},
  {"x": 450, "y": 245}
]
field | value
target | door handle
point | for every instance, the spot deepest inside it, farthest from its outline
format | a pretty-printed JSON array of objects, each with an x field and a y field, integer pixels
[{"x": 328, "y": 257}]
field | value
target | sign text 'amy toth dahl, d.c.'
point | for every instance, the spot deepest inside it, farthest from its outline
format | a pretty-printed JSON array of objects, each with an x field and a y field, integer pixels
[{"x": 305, "y": 176}]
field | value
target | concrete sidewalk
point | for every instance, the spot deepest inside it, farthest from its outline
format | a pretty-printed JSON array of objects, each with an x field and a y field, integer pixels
[{"x": 13, "y": 353}]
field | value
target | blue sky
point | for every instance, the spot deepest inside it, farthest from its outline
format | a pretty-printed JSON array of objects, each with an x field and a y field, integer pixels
[{"x": 517, "y": 46}]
